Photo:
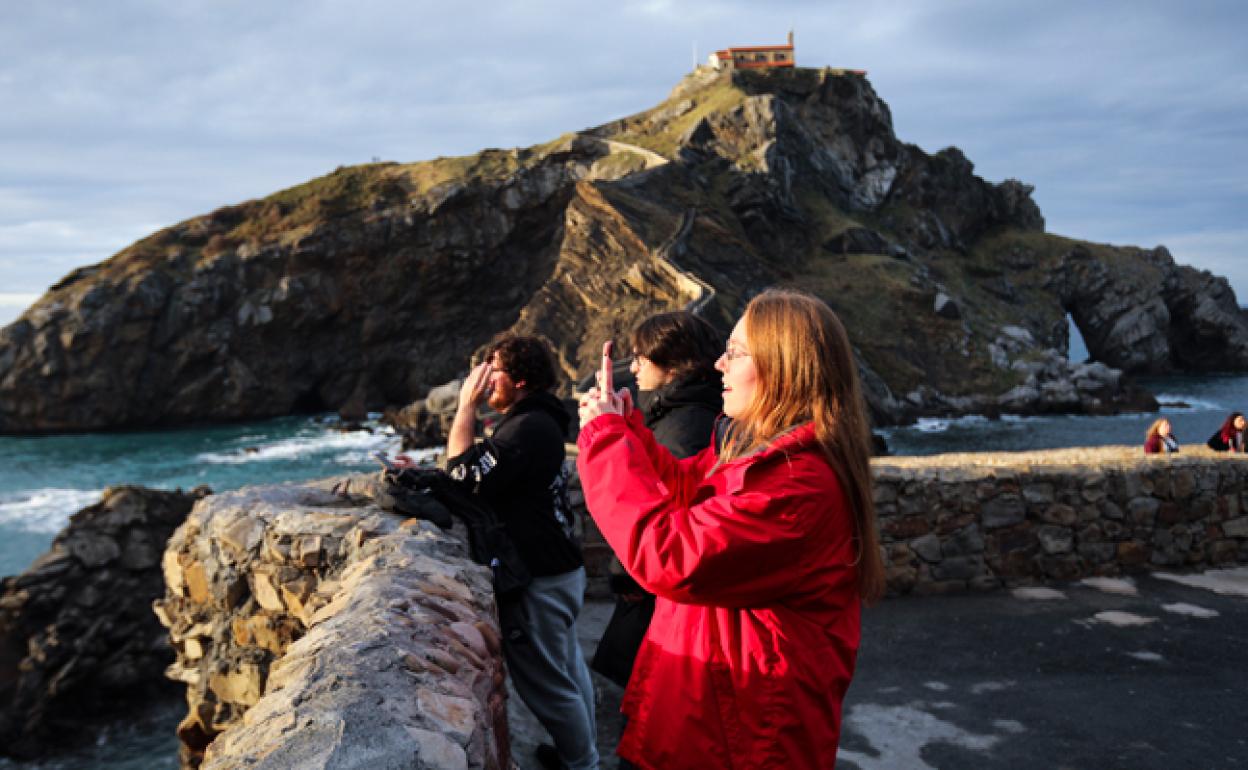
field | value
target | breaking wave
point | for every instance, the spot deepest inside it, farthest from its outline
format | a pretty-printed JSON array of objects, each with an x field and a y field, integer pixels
[{"x": 44, "y": 510}]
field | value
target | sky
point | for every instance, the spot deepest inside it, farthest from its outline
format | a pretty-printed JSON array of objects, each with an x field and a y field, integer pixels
[{"x": 117, "y": 119}]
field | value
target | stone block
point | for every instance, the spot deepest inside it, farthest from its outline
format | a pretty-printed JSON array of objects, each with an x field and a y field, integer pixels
[
  {"x": 1133, "y": 553},
  {"x": 243, "y": 534},
  {"x": 1055, "y": 540},
  {"x": 266, "y": 587},
  {"x": 310, "y": 550},
  {"x": 1144, "y": 510},
  {"x": 454, "y": 717},
  {"x": 947, "y": 523},
  {"x": 172, "y": 568},
  {"x": 958, "y": 568},
  {"x": 939, "y": 587},
  {"x": 1038, "y": 495},
  {"x": 1183, "y": 482},
  {"x": 884, "y": 493},
  {"x": 1203, "y": 506},
  {"x": 1222, "y": 551},
  {"x": 1060, "y": 514},
  {"x": 964, "y": 542},
  {"x": 1236, "y": 527},
  {"x": 197, "y": 586},
  {"x": 434, "y": 749},
  {"x": 295, "y": 593},
  {"x": 904, "y": 527},
  {"x": 927, "y": 547},
  {"x": 1097, "y": 553},
  {"x": 1002, "y": 511},
  {"x": 1093, "y": 492},
  {"x": 1062, "y": 567},
  {"x": 1111, "y": 510},
  {"x": 243, "y": 686},
  {"x": 984, "y": 583}
]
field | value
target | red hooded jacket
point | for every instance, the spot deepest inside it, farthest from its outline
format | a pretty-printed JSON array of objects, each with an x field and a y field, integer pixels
[{"x": 756, "y": 625}]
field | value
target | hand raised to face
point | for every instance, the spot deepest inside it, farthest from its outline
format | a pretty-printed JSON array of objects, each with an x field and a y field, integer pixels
[
  {"x": 602, "y": 398},
  {"x": 472, "y": 392}
]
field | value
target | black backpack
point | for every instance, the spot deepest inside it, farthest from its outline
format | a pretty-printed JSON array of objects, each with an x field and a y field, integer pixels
[{"x": 431, "y": 494}]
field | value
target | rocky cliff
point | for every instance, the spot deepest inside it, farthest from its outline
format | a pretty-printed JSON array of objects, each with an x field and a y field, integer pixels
[
  {"x": 79, "y": 645},
  {"x": 368, "y": 286}
]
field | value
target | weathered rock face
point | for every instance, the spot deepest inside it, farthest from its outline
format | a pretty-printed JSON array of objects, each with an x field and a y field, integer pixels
[
  {"x": 314, "y": 630},
  {"x": 78, "y": 643},
  {"x": 365, "y": 288}
]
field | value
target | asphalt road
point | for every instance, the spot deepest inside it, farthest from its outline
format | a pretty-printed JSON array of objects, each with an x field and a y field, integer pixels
[{"x": 1131, "y": 675}]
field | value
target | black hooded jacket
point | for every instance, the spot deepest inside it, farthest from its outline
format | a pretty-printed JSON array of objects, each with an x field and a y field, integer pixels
[
  {"x": 682, "y": 414},
  {"x": 519, "y": 473},
  {"x": 682, "y": 417}
]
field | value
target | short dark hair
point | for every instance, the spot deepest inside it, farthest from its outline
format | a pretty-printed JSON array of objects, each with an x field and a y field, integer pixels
[
  {"x": 679, "y": 342},
  {"x": 526, "y": 360}
]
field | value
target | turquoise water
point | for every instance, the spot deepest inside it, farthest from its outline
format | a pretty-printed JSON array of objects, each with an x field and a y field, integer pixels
[
  {"x": 1208, "y": 400},
  {"x": 45, "y": 479}
]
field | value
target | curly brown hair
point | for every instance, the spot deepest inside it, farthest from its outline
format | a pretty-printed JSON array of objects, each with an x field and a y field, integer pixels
[{"x": 527, "y": 360}]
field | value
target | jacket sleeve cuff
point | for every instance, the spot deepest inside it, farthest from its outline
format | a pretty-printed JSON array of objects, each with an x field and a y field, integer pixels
[{"x": 602, "y": 423}]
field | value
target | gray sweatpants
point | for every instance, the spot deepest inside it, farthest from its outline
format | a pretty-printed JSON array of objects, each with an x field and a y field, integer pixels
[{"x": 546, "y": 665}]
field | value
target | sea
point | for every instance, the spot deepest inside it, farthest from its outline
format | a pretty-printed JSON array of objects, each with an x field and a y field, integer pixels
[{"x": 43, "y": 480}]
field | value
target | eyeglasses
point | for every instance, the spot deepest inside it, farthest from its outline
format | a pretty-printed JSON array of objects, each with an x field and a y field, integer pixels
[{"x": 731, "y": 353}]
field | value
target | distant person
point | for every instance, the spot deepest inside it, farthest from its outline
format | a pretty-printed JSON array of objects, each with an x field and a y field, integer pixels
[
  {"x": 760, "y": 549},
  {"x": 1230, "y": 437},
  {"x": 679, "y": 396},
  {"x": 1160, "y": 438},
  {"x": 518, "y": 471}
]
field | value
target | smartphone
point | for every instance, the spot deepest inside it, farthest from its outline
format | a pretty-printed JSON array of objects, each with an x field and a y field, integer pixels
[{"x": 385, "y": 461}]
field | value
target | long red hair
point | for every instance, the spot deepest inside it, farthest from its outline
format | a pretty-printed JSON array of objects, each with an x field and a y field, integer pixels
[{"x": 806, "y": 373}]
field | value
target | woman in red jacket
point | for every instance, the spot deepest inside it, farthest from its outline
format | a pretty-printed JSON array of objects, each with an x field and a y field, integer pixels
[{"x": 760, "y": 549}]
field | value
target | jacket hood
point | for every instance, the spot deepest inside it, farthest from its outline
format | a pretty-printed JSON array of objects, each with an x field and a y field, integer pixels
[
  {"x": 543, "y": 401},
  {"x": 683, "y": 392}
]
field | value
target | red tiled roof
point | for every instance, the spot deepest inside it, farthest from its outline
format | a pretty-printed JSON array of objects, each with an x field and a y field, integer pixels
[{"x": 781, "y": 47}]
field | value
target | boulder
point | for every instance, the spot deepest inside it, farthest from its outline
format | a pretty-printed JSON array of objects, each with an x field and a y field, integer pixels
[{"x": 79, "y": 646}]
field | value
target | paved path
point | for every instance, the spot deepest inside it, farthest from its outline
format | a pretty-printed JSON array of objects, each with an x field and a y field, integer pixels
[{"x": 1131, "y": 674}]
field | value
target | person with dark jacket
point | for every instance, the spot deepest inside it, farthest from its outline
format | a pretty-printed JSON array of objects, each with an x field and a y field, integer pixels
[
  {"x": 679, "y": 398},
  {"x": 519, "y": 472},
  {"x": 1230, "y": 437}
]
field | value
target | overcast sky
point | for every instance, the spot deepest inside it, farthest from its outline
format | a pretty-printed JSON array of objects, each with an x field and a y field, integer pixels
[{"x": 119, "y": 118}]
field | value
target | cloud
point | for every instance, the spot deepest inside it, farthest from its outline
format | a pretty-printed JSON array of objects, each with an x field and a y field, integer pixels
[{"x": 1127, "y": 116}]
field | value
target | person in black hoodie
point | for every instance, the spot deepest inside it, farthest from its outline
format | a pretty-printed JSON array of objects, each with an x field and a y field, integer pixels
[
  {"x": 519, "y": 472},
  {"x": 680, "y": 395}
]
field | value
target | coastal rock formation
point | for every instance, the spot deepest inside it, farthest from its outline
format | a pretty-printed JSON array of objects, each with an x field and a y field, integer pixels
[
  {"x": 316, "y": 630},
  {"x": 365, "y": 288},
  {"x": 78, "y": 642},
  {"x": 1162, "y": 317}
]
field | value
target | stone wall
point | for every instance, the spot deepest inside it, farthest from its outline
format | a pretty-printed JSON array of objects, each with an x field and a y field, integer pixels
[
  {"x": 978, "y": 521},
  {"x": 988, "y": 520},
  {"x": 317, "y": 631}
]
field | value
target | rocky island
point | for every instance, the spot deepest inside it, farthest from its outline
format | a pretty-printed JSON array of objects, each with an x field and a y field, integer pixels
[{"x": 368, "y": 286}]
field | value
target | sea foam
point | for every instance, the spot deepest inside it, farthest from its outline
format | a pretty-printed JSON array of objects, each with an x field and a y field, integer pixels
[
  {"x": 44, "y": 510},
  {"x": 349, "y": 448}
]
